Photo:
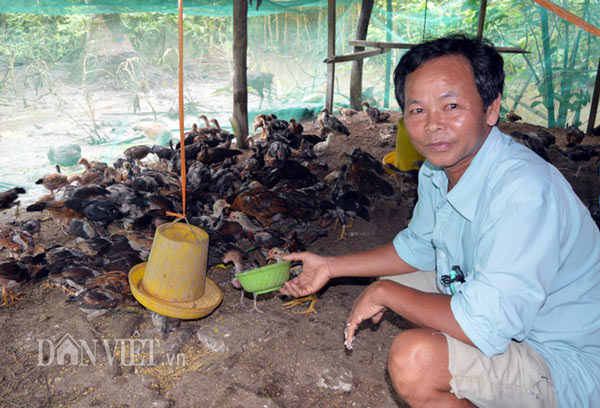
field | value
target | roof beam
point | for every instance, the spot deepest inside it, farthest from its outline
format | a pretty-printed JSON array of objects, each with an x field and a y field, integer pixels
[{"x": 382, "y": 44}]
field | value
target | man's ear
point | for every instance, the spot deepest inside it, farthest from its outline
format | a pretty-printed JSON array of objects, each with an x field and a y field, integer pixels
[{"x": 493, "y": 111}]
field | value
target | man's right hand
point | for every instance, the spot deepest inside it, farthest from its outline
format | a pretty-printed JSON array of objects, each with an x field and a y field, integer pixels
[{"x": 316, "y": 272}]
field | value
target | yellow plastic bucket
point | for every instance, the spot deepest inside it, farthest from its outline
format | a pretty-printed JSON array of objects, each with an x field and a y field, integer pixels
[
  {"x": 405, "y": 154},
  {"x": 173, "y": 282},
  {"x": 176, "y": 269}
]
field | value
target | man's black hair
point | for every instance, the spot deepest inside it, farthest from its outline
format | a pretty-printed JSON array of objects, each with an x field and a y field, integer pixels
[{"x": 486, "y": 62}]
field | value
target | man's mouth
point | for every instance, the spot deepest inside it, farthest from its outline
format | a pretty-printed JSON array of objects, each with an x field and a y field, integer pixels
[{"x": 439, "y": 146}]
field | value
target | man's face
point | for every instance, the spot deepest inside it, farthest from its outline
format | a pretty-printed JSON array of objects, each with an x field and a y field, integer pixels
[{"x": 444, "y": 113}]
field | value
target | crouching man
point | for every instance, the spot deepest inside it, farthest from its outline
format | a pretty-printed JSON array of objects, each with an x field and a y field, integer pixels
[{"x": 509, "y": 314}]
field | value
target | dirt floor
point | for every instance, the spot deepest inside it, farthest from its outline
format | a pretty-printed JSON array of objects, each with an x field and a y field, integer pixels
[{"x": 229, "y": 358}]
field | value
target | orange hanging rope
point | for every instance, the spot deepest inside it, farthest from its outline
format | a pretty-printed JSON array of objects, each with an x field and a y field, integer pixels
[
  {"x": 181, "y": 113},
  {"x": 570, "y": 17}
]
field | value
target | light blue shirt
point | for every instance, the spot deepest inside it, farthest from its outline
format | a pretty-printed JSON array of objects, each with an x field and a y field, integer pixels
[{"x": 531, "y": 255}]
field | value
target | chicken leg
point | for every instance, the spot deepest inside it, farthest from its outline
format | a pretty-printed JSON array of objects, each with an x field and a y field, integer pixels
[
  {"x": 344, "y": 228},
  {"x": 241, "y": 305},
  {"x": 255, "y": 308},
  {"x": 296, "y": 302},
  {"x": 9, "y": 297}
]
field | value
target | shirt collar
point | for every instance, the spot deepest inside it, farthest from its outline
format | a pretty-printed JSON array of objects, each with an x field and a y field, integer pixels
[{"x": 465, "y": 194}]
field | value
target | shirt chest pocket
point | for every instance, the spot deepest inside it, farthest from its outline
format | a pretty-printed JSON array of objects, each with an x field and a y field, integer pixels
[{"x": 453, "y": 242}]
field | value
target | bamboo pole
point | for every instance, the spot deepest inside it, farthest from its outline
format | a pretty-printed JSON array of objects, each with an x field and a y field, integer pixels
[
  {"x": 388, "y": 58},
  {"x": 383, "y": 44},
  {"x": 239, "y": 120},
  {"x": 277, "y": 27},
  {"x": 481, "y": 19},
  {"x": 285, "y": 28},
  {"x": 595, "y": 97},
  {"x": 362, "y": 27},
  {"x": 548, "y": 95},
  {"x": 330, "y": 53}
]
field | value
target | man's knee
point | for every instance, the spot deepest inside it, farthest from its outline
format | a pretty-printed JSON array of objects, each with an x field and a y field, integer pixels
[{"x": 416, "y": 354}]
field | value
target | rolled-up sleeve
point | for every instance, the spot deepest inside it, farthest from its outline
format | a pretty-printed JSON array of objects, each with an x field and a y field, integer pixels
[{"x": 517, "y": 257}]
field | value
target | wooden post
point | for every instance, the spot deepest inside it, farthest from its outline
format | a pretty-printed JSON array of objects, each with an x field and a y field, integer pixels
[
  {"x": 330, "y": 53},
  {"x": 361, "y": 34},
  {"x": 239, "y": 121},
  {"x": 594, "y": 107},
  {"x": 388, "y": 58},
  {"x": 481, "y": 21}
]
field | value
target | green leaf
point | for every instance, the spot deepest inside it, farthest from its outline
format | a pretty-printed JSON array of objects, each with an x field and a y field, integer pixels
[{"x": 535, "y": 103}]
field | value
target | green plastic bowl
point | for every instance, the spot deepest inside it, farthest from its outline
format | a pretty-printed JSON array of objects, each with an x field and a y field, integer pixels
[{"x": 265, "y": 279}]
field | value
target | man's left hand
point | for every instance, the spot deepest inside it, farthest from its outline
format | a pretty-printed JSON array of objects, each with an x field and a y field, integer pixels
[{"x": 370, "y": 304}]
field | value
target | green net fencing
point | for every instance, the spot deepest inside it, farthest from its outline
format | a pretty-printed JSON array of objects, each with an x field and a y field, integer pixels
[{"x": 102, "y": 75}]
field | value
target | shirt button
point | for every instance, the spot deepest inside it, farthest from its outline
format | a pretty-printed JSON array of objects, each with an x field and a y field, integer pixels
[{"x": 443, "y": 255}]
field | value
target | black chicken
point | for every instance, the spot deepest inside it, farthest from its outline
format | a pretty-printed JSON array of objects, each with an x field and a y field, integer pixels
[
  {"x": 330, "y": 121},
  {"x": 348, "y": 203},
  {"x": 290, "y": 170},
  {"x": 365, "y": 161},
  {"x": 216, "y": 154},
  {"x": 105, "y": 211},
  {"x": 198, "y": 177},
  {"x": 8, "y": 198},
  {"x": 277, "y": 153},
  {"x": 366, "y": 181},
  {"x": 12, "y": 273}
]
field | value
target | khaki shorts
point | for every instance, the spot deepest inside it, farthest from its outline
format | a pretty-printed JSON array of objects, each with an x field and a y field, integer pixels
[{"x": 519, "y": 377}]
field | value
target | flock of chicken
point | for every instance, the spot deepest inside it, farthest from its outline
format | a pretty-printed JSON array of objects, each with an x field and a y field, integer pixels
[{"x": 279, "y": 196}]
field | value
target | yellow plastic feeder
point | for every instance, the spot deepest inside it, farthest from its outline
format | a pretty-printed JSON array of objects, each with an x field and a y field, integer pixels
[
  {"x": 405, "y": 155},
  {"x": 173, "y": 282}
]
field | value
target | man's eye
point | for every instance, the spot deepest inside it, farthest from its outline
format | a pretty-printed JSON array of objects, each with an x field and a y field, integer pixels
[
  {"x": 417, "y": 110},
  {"x": 453, "y": 105}
]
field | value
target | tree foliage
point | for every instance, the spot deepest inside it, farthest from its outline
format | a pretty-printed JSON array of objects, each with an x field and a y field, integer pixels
[{"x": 553, "y": 82}]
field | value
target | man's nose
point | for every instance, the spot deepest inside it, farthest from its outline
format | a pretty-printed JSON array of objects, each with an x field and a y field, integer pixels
[{"x": 432, "y": 122}]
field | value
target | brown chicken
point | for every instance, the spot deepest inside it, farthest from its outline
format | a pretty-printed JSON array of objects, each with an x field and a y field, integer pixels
[
  {"x": 108, "y": 291},
  {"x": 296, "y": 127},
  {"x": 17, "y": 242},
  {"x": 374, "y": 114},
  {"x": 574, "y": 134},
  {"x": 205, "y": 120},
  {"x": 55, "y": 181},
  {"x": 347, "y": 113},
  {"x": 207, "y": 130},
  {"x": 138, "y": 152},
  {"x": 89, "y": 165},
  {"x": 57, "y": 209},
  {"x": 512, "y": 117},
  {"x": 236, "y": 257},
  {"x": 221, "y": 133},
  {"x": 260, "y": 203}
]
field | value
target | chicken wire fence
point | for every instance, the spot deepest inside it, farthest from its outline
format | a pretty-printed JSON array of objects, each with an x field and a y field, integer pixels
[{"x": 102, "y": 74}]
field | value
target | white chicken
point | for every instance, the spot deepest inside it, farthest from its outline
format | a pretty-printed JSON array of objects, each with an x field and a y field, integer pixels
[
  {"x": 156, "y": 132},
  {"x": 322, "y": 147}
]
